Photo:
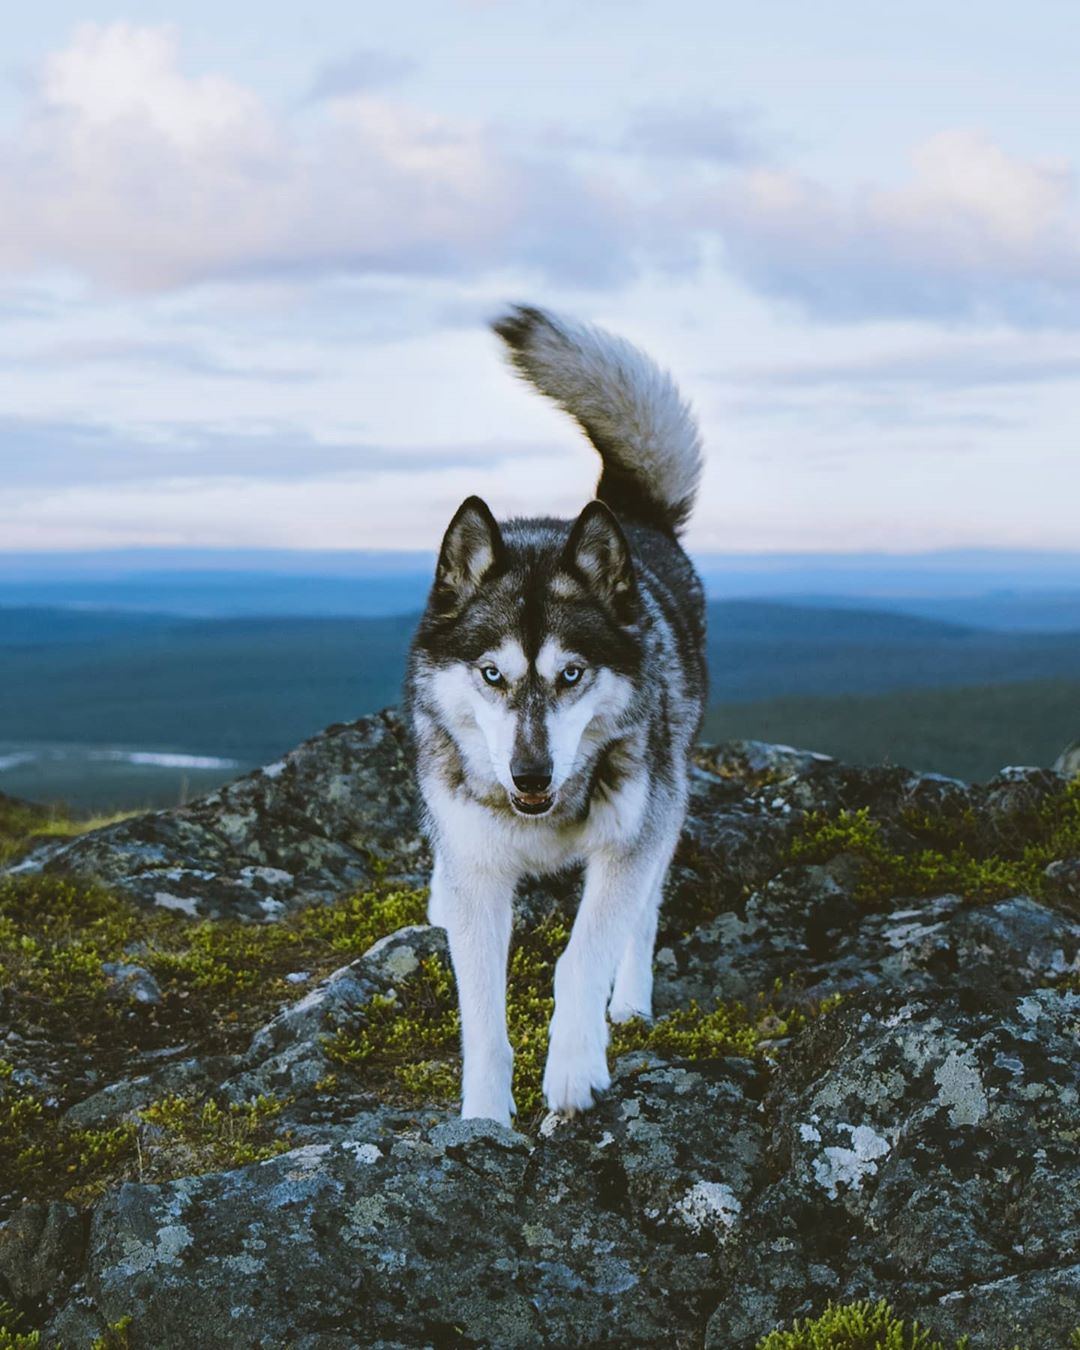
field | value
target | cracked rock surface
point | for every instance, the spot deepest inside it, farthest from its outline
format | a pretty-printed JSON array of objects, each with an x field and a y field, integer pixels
[{"x": 918, "y": 1142}]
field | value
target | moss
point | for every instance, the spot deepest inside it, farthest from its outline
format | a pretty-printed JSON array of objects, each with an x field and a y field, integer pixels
[
  {"x": 13, "y": 1335},
  {"x": 407, "y": 1044},
  {"x": 202, "y": 1136},
  {"x": 945, "y": 856},
  {"x": 116, "y": 1336},
  {"x": 728, "y": 1029},
  {"x": 219, "y": 981},
  {"x": 354, "y": 924},
  {"x": 855, "y": 1326},
  {"x": 39, "y": 1157},
  {"x": 173, "y": 1137},
  {"x": 23, "y": 824}
]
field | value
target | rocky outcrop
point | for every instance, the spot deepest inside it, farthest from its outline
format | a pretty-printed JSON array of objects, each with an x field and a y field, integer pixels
[
  {"x": 313, "y": 825},
  {"x": 918, "y": 1141}
]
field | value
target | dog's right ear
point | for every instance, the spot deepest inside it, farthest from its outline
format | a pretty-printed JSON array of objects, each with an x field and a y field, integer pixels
[{"x": 471, "y": 547}]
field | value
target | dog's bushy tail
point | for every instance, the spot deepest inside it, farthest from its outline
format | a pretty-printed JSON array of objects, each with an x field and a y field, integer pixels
[{"x": 628, "y": 407}]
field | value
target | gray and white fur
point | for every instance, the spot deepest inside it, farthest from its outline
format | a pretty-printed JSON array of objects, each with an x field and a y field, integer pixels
[{"x": 555, "y": 688}]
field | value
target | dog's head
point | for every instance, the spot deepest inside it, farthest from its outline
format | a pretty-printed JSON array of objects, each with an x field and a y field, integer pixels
[{"x": 530, "y": 645}]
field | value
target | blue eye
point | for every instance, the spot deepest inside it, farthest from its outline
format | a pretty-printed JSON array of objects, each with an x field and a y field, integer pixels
[
  {"x": 571, "y": 675},
  {"x": 492, "y": 674}
]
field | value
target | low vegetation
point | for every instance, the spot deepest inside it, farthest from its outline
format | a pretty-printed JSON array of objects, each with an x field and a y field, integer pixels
[
  {"x": 944, "y": 856},
  {"x": 863, "y": 1326}
]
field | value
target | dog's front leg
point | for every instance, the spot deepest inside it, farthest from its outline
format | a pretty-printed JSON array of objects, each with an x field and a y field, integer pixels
[
  {"x": 617, "y": 888},
  {"x": 474, "y": 906}
]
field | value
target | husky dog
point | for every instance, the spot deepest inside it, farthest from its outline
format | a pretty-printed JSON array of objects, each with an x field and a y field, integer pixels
[{"x": 554, "y": 689}]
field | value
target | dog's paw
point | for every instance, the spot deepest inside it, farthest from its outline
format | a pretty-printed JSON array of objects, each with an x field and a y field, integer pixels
[
  {"x": 572, "y": 1080},
  {"x": 620, "y": 1011},
  {"x": 489, "y": 1103}
]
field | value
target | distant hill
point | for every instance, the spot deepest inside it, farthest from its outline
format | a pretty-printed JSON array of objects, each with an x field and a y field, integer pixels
[
  {"x": 969, "y": 733},
  {"x": 1008, "y": 590},
  {"x": 248, "y": 689}
]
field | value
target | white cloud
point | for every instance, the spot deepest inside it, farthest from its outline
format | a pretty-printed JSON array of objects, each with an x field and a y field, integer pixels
[
  {"x": 976, "y": 233},
  {"x": 40, "y": 452},
  {"x": 127, "y": 170},
  {"x": 957, "y": 365}
]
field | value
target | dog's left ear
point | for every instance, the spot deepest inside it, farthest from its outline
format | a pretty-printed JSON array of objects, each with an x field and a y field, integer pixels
[
  {"x": 598, "y": 555},
  {"x": 471, "y": 547}
]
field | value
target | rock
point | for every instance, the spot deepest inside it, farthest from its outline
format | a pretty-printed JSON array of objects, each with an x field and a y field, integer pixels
[
  {"x": 124, "y": 1098},
  {"x": 40, "y": 1249},
  {"x": 604, "y": 1231},
  {"x": 916, "y": 1143},
  {"x": 1063, "y": 878},
  {"x": 805, "y": 926},
  {"x": 133, "y": 982},
  {"x": 316, "y": 824},
  {"x": 923, "y": 1154},
  {"x": 757, "y": 761}
]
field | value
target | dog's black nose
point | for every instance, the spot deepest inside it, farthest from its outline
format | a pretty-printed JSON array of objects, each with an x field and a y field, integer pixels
[{"x": 531, "y": 777}]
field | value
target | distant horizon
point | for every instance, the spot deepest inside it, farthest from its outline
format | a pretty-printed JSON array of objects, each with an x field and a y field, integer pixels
[{"x": 1017, "y": 589}]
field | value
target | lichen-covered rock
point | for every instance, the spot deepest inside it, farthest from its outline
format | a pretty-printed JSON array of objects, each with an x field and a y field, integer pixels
[
  {"x": 605, "y": 1231},
  {"x": 925, "y": 1153},
  {"x": 917, "y": 1142},
  {"x": 318, "y": 822}
]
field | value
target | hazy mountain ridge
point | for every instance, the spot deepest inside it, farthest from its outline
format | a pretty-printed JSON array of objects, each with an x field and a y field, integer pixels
[{"x": 247, "y": 687}]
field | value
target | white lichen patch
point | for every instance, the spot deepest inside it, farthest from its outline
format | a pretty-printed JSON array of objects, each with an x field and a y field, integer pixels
[
  {"x": 903, "y": 935},
  {"x": 708, "y": 1205},
  {"x": 961, "y": 1090},
  {"x": 809, "y": 1134},
  {"x": 362, "y": 1153},
  {"x": 848, "y": 1167},
  {"x": 270, "y": 876},
  {"x": 551, "y": 1122},
  {"x": 173, "y": 1239},
  {"x": 185, "y": 904},
  {"x": 300, "y": 1160}
]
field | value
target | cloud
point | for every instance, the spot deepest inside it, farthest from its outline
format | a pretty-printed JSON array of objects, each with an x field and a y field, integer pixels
[
  {"x": 357, "y": 72},
  {"x": 702, "y": 132},
  {"x": 962, "y": 366},
  {"x": 130, "y": 172},
  {"x": 159, "y": 354},
  {"x": 42, "y": 453},
  {"x": 975, "y": 234}
]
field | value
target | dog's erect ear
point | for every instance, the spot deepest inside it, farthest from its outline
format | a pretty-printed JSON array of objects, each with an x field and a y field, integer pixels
[
  {"x": 597, "y": 554},
  {"x": 471, "y": 547}
]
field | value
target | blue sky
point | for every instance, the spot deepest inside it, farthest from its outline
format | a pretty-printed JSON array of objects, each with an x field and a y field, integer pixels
[{"x": 247, "y": 252}]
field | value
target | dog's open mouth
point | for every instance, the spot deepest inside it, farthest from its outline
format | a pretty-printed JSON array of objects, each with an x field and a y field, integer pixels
[{"x": 532, "y": 803}]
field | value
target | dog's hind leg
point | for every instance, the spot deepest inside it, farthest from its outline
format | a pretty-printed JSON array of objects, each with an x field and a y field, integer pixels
[
  {"x": 632, "y": 995},
  {"x": 475, "y": 908},
  {"x": 618, "y": 887}
]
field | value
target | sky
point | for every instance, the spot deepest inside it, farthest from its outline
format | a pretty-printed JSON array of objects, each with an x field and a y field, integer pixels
[{"x": 248, "y": 254}]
